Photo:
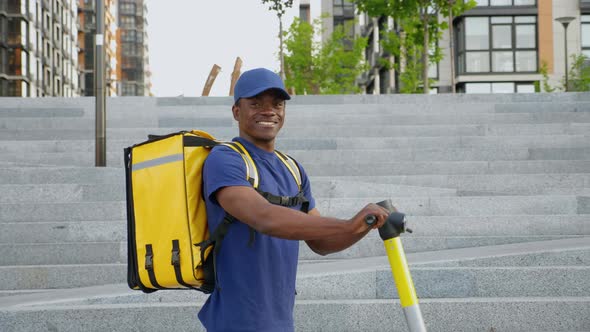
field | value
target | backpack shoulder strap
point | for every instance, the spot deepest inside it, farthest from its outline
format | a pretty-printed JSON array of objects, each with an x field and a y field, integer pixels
[
  {"x": 251, "y": 170},
  {"x": 291, "y": 166}
]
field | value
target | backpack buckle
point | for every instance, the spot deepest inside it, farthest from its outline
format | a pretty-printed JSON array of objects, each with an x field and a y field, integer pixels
[
  {"x": 149, "y": 262},
  {"x": 285, "y": 200},
  {"x": 175, "y": 257}
]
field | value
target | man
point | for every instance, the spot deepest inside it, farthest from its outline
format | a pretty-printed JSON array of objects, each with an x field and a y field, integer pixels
[{"x": 255, "y": 288}]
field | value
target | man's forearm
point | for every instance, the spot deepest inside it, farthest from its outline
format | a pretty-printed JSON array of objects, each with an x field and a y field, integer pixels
[{"x": 334, "y": 244}]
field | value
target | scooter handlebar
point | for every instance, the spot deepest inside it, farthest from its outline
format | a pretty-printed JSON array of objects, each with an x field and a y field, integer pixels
[{"x": 394, "y": 225}]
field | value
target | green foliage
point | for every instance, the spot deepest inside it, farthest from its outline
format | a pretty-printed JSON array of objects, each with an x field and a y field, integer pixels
[
  {"x": 579, "y": 74},
  {"x": 418, "y": 24},
  {"x": 299, "y": 62},
  {"x": 329, "y": 68},
  {"x": 544, "y": 70}
]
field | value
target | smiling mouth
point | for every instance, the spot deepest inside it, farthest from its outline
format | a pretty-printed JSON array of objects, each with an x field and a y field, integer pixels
[{"x": 266, "y": 123}]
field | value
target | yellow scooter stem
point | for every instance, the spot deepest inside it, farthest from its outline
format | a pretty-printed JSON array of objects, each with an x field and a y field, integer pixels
[
  {"x": 404, "y": 284},
  {"x": 389, "y": 233}
]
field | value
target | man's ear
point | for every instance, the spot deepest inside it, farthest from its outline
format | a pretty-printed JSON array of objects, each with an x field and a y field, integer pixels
[{"x": 235, "y": 109}]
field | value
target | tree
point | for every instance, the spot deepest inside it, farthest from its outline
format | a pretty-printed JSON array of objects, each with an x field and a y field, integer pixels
[
  {"x": 579, "y": 76},
  {"x": 414, "y": 41},
  {"x": 279, "y": 7},
  {"x": 328, "y": 68}
]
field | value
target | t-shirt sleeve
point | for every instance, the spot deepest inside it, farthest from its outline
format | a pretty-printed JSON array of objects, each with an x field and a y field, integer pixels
[
  {"x": 223, "y": 168},
  {"x": 306, "y": 186}
]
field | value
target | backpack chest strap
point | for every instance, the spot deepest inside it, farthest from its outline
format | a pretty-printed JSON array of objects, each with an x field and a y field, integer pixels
[{"x": 287, "y": 201}]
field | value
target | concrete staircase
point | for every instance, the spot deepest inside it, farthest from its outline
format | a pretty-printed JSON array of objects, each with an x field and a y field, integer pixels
[{"x": 496, "y": 189}]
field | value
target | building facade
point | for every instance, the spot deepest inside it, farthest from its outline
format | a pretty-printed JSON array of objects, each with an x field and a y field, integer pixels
[
  {"x": 133, "y": 72},
  {"x": 38, "y": 49},
  {"x": 500, "y": 46},
  {"x": 47, "y": 48},
  {"x": 86, "y": 46}
]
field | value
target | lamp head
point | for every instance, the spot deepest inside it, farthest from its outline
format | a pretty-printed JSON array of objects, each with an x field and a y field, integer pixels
[{"x": 565, "y": 21}]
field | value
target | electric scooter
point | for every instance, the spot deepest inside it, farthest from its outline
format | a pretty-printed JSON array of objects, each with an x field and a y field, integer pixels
[{"x": 390, "y": 232}]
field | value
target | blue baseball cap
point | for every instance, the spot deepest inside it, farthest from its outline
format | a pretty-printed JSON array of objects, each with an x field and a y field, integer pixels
[{"x": 254, "y": 82}]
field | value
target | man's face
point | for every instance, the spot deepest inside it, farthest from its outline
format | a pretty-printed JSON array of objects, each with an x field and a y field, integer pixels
[{"x": 261, "y": 117}]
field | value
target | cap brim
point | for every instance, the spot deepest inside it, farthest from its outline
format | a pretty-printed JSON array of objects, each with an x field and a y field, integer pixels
[{"x": 257, "y": 91}]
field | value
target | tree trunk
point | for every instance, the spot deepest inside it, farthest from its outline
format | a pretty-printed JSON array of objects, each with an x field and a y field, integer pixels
[
  {"x": 281, "y": 54},
  {"x": 452, "y": 46},
  {"x": 425, "y": 52}
]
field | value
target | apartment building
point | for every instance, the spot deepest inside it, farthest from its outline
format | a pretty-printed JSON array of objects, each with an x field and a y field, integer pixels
[
  {"x": 499, "y": 46},
  {"x": 87, "y": 43},
  {"x": 47, "y": 48},
  {"x": 38, "y": 50},
  {"x": 133, "y": 72}
]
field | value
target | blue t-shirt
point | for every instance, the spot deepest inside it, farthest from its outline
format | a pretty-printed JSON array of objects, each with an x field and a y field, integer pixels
[{"x": 256, "y": 282}]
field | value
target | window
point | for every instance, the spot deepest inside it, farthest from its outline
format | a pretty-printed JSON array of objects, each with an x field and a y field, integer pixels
[
  {"x": 127, "y": 8},
  {"x": 131, "y": 36},
  {"x": 497, "y": 44},
  {"x": 128, "y": 22},
  {"x": 505, "y": 3},
  {"x": 343, "y": 8},
  {"x": 343, "y": 13},
  {"x": 498, "y": 87},
  {"x": 129, "y": 89},
  {"x": 304, "y": 13},
  {"x": 130, "y": 49},
  {"x": 585, "y": 20}
]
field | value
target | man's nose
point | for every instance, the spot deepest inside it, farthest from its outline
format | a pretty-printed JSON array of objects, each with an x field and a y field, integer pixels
[{"x": 267, "y": 107}]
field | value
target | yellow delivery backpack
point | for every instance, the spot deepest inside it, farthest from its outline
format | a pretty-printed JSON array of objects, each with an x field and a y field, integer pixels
[{"x": 168, "y": 240}]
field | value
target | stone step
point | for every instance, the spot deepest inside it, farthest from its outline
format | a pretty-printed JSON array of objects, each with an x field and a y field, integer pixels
[
  {"x": 63, "y": 253},
  {"x": 62, "y": 175},
  {"x": 557, "y": 257},
  {"x": 309, "y": 100},
  {"x": 485, "y": 184},
  {"x": 108, "y": 252},
  {"x": 338, "y": 207},
  {"x": 62, "y": 193},
  {"x": 371, "y": 120},
  {"x": 347, "y": 160},
  {"x": 430, "y": 283},
  {"x": 502, "y": 314},
  {"x": 357, "y": 119},
  {"x": 478, "y": 184},
  {"x": 326, "y": 131},
  {"x": 519, "y": 184},
  {"x": 339, "y": 143},
  {"x": 425, "y": 228},
  {"x": 61, "y": 276},
  {"x": 384, "y": 99},
  {"x": 441, "y": 154},
  {"x": 371, "y": 246},
  {"x": 446, "y": 167},
  {"x": 312, "y": 111},
  {"x": 115, "y": 108},
  {"x": 72, "y": 276},
  {"x": 450, "y": 282}
]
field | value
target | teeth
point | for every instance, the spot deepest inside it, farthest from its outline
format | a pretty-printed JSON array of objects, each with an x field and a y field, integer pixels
[{"x": 266, "y": 123}]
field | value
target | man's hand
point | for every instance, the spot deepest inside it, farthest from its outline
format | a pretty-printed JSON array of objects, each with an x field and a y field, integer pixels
[{"x": 358, "y": 222}]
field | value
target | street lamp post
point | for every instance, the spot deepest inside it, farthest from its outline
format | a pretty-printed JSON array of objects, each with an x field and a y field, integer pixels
[
  {"x": 99, "y": 88},
  {"x": 565, "y": 21}
]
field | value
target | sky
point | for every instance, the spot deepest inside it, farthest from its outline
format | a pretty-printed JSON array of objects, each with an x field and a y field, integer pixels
[{"x": 187, "y": 37}]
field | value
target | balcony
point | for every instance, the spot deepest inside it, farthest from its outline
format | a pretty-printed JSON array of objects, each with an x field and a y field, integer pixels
[
  {"x": 15, "y": 40},
  {"x": 89, "y": 5},
  {"x": 585, "y": 4}
]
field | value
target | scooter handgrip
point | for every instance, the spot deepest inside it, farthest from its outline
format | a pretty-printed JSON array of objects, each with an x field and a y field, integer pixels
[{"x": 387, "y": 204}]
